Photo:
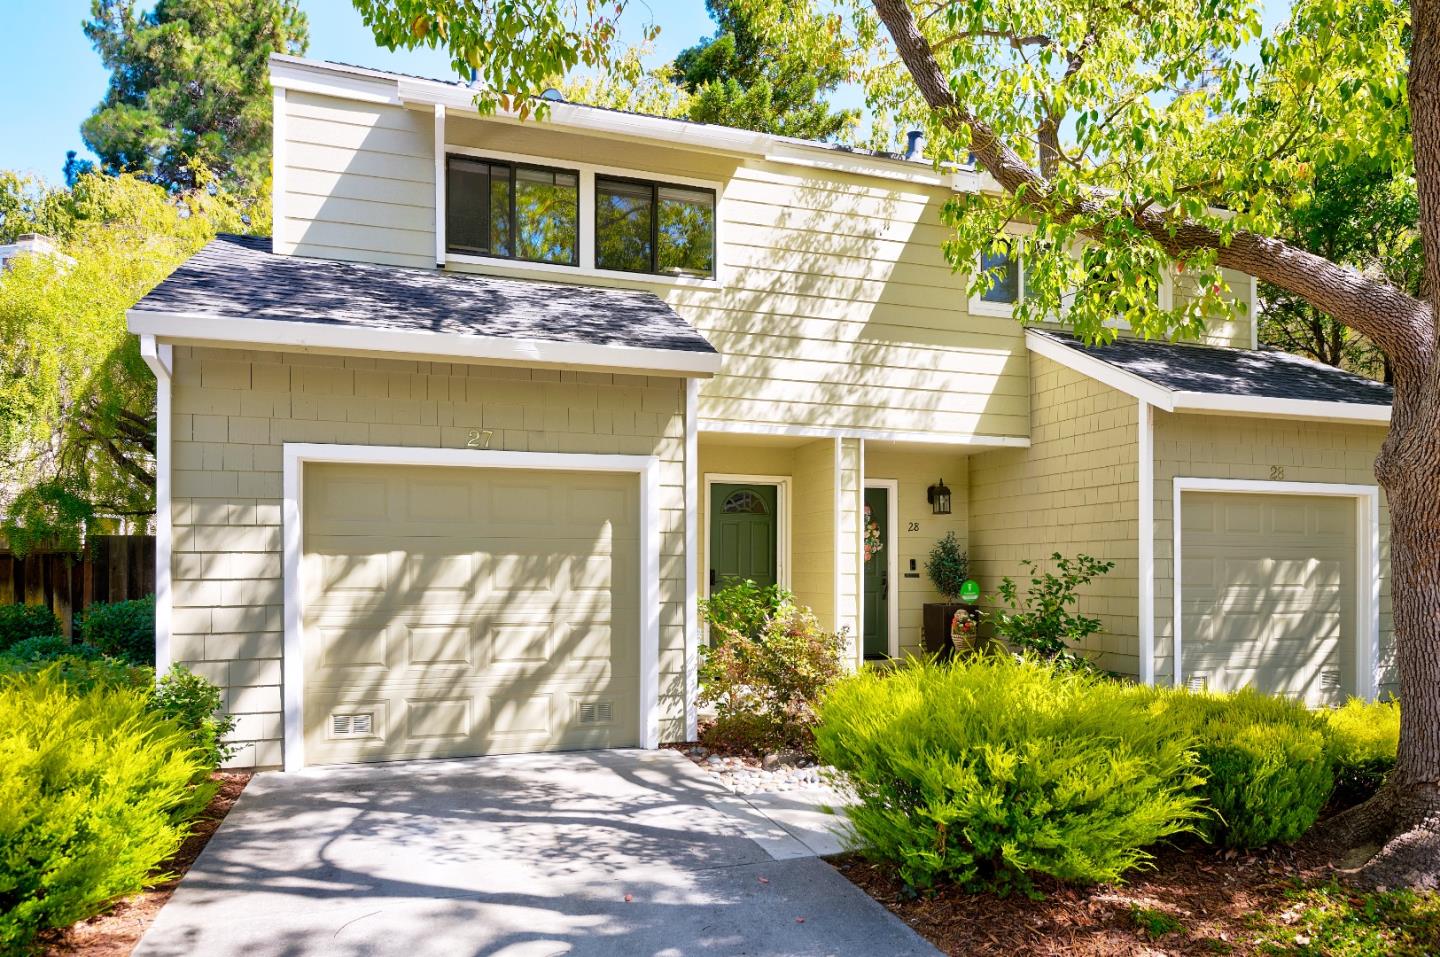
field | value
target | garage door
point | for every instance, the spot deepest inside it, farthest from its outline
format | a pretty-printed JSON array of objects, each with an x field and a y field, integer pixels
[
  {"x": 1268, "y": 594},
  {"x": 459, "y": 611}
]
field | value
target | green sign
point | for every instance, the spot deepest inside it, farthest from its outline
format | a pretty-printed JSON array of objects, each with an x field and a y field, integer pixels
[{"x": 970, "y": 591}]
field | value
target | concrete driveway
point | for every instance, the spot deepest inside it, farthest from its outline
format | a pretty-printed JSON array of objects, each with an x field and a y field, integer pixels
[{"x": 605, "y": 852}]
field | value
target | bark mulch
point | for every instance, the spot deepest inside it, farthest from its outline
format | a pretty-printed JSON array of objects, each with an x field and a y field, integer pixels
[
  {"x": 116, "y": 932},
  {"x": 1195, "y": 901}
]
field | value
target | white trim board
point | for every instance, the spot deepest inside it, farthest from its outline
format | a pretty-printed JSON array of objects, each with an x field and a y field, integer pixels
[
  {"x": 1145, "y": 546},
  {"x": 299, "y": 454},
  {"x": 1170, "y": 400},
  {"x": 160, "y": 358},
  {"x": 892, "y": 563},
  {"x": 692, "y": 559},
  {"x": 204, "y": 329},
  {"x": 1367, "y": 563},
  {"x": 782, "y": 485},
  {"x": 733, "y": 427}
]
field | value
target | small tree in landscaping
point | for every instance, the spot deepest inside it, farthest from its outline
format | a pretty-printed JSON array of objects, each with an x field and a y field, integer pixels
[
  {"x": 948, "y": 567},
  {"x": 1044, "y": 621}
]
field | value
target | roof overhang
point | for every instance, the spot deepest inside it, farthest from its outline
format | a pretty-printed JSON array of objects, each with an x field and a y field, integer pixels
[
  {"x": 1172, "y": 400},
  {"x": 202, "y": 329},
  {"x": 378, "y": 86}
]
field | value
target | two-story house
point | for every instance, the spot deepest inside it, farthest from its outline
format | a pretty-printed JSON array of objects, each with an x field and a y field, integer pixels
[{"x": 447, "y": 462}]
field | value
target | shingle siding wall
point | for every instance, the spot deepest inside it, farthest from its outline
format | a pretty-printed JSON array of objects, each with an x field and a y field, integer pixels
[
  {"x": 1207, "y": 446},
  {"x": 1073, "y": 491},
  {"x": 234, "y": 410}
]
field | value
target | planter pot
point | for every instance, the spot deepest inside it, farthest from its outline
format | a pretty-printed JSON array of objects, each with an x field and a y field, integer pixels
[{"x": 936, "y": 619}]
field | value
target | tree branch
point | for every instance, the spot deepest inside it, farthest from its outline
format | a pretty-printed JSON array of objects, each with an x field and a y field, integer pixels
[{"x": 1401, "y": 325}]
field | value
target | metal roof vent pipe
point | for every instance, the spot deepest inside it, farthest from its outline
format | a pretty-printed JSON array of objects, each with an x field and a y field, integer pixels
[{"x": 915, "y": 145}]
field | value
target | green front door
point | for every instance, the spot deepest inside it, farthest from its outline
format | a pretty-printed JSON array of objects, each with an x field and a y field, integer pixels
[
  {"x": 742, "y": 534},
  {"x": 877, "y": 574}
]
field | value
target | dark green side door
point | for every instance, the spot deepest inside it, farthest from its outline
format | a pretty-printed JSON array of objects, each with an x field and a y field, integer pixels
[
  {"x": 742, "y": 534},
  {"x": 877, "y": 577}
]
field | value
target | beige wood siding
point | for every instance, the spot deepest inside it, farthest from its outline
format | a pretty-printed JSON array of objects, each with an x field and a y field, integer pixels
[
  {"x": 1075, "y": 490},
  {"x": 359, "y": 181},
  {"x": 835, "y": 305},
  {"x": 462, "y": 611},
  {"x": 813, "y": 529},
  {"x": 233, "y": 410},
  {"x": 1235, "y": 447},
  {"x": 1268, "y": 594}
]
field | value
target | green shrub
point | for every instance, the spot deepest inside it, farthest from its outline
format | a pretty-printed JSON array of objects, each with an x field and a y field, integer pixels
[
  {"x": 122, "y": 629},
  {"x": 19, "y": 622},
  {"x": 195, "y": 704},
  {"x": 84, "y": 674},
  {"x": 948, "y": 566},
  {"x": 1361, "y": 738},
  {"x": 990, "y": 770},
  {"x": 742, "y": 607},
  {"x": 48, "y": 648},
  {"x": 767, "y": 683},
  {"x": 1043, "y": 622},
  {"x": 1267, "y": 772},
  {"x": 96, "y": 793}
]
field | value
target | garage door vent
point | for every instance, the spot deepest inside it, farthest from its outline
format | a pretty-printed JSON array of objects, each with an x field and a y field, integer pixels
[
  {"x": 596, "y": 712},
  {"x": 351, "y": 725}
]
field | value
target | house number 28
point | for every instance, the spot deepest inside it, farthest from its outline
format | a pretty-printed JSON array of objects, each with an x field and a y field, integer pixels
[{"x": 479, "y": 438}]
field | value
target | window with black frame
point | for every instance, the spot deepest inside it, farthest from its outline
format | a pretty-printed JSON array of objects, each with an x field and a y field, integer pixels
[
  {"x": 512, "y": 211},
  {"x": 648, "y": 227}
]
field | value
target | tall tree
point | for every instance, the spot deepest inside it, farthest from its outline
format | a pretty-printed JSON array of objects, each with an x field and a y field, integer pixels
[
  {"x": 1140, "y": 130},
  {"x": 189, "y": 87},
  {"x": 750, "y": 77},
  {"x": 77, "y": 403},
  {"x": 1362, "y": 213}
]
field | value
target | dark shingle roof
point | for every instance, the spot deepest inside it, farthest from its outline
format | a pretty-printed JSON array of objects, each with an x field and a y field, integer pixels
[
  {"x": 1220, "y": 371},
  {"x": 238, "y": 277}
]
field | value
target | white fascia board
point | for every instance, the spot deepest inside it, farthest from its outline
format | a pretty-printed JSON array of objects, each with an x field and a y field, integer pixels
[
  {"x": 1103, "y": 372},
  {"x": 182, "y": 327},
  {"x": 1281, "y": 408}
]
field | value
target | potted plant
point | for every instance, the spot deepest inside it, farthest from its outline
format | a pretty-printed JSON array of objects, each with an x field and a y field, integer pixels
[{"x": 948, "y": 568}]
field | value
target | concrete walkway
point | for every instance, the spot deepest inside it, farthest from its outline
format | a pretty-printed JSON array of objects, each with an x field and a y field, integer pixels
[{"x": 522, "y": 856}]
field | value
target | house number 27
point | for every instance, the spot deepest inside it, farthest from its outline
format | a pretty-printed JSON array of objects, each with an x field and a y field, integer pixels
[{"x": 479, "y": 438}]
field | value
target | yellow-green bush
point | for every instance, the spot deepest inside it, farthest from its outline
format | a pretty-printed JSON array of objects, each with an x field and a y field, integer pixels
[
  {"x": 96, "y": 792},
  {"x": 987, "y": 771},
  {"x": 1267, "y": 773},
  {"x": 1362, "y": 738}
]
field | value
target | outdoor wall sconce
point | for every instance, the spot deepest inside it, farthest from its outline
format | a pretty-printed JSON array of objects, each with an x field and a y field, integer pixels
[{"x": 938, "y": 496}]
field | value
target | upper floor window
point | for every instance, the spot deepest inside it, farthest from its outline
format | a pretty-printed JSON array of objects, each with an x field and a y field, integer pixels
[
  {"x": 648, "y": 227},
  {"x": 512, "y": 211},
  {"x": 1006, "y": 277}
]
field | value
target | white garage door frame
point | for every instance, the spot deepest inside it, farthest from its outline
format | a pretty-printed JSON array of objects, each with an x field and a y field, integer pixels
[
  {"x": 1367, "y": 560},
  {"x": 298, "y": 454}
]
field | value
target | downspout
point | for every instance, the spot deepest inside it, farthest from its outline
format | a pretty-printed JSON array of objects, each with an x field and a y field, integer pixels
[
  {"x": 1145, "y": 427},
  {"x": 160, "y": 357}
]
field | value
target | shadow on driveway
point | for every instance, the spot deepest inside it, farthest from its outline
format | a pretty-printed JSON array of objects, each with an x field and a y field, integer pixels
[{"x": 514, "y": 856}]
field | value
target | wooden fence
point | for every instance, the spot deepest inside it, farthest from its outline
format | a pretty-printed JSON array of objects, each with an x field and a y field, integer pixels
[{"x": 112, "y": 568}]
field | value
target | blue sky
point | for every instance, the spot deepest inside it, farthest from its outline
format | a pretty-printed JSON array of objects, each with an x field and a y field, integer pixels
[{"x": 53, "y": 78}]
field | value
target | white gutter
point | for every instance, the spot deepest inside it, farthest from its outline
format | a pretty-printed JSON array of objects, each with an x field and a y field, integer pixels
[
  {"x": 160, "y": 357},
  {"x": 441, "y": 346}
]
